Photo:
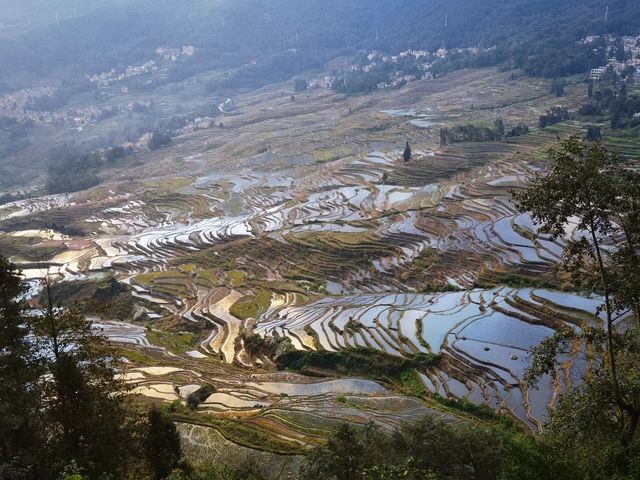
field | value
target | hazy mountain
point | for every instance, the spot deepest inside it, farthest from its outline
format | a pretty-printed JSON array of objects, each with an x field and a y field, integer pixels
[{"x": 92, "y": 36}]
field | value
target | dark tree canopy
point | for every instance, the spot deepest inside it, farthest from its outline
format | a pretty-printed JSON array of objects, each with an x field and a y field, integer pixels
[
  {"x": 598, "y": 420},
  {"x": 163, "y": 449},
  {"x": 407, "y": 153}
]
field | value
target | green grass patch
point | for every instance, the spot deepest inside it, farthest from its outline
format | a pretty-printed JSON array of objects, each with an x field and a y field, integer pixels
[
  {"x": 252, "y": 306},
  {"x": 481, "y": 411},
  {"x": 175, "y": 342},
  {"x": 345, "y": 401},
  {"x": 236, "y": 277},
  {"x": 363, "y": 362},
  {"x": 427, "y": 257},
  {"x": 513, "y": 280},
  {"x": 207, "y": 278},
  {"x": 137, "y": 358},
  {"x": 439, "y": 288},
  {"x": 284, "y": 286},
  {"x": 149, "y": 279},
  {"x": 106, "y": 298}
]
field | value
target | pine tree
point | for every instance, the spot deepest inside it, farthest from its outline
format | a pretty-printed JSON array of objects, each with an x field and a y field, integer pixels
[
  {"x": 163, "y": 449},
  {"x": 85, "y": 415},
  {"x": 444, "y": 137},
  {"x": 594, "y": 133},
  {"x": 19, "y": 381},
  {"x": 407, "y": 153},
  {"x": 499, "y": 129},
  {"x": 622, "y": 94}
]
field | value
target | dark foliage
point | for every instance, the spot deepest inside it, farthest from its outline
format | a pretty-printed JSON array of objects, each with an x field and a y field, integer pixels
[
  {"x": 425, "y": 449},
  {"x": 553, "y": 116},
  {"x": 354, "y": 361},
  {"x": 472, "y": 133},
  {"x": 72, "y": 173},
  {"x": 162, "y": 448},
  {"x": 557, "y": 87},
  {"x": 539, "y": 36},
  {"x": 159, "y": 140},
  {"x": 613, "y": 98},
  {"x": 300, "y": 85},
  {"x": 407, "y": 153},
  {"x": 593, "y": 133},
  {"x": 20, "y": 369},
  {"x": 516, "y": 131},
  {"x": 196, "y": 398}
]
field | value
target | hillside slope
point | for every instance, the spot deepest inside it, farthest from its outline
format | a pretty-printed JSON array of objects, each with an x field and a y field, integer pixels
[{"x": 234, "y": 32}]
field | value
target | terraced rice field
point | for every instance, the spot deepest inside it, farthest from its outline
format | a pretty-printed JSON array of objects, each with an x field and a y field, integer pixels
[
  {"x": 285, "y": 412},
  {"x": 303, "y": 221},
  {"x": 483, "y": 335}
]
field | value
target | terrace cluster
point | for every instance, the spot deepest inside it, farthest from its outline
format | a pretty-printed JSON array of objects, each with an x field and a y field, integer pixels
[
  {"x": 317, "y": 238},
  {"x": 334, "y": 246}
]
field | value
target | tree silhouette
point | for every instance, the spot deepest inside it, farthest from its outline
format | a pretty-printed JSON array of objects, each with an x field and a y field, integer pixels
[
  {"x": 407, "y": 153},
  {"x": 163, "y": 444}
]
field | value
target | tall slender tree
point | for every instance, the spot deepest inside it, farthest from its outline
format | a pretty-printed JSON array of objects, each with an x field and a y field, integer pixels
[
  {"x": 86, "y": 419},
  {"x": 162, "y": 447},
  {"x": 407, "y": 153},
  {"x": 590, "y": 186},
  {"x": 20, "y": 371}
]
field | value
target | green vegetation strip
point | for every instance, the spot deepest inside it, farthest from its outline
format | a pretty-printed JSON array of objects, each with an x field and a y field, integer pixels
[
  {"x": 252, "y": 306},
  {"x": 365, "y": 362},
  {"x": 239, "y": 432},
  {"x": 174, "y": 342}
]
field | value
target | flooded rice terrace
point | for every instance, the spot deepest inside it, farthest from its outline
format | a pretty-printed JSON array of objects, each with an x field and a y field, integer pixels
[{"x": 342, "y": 251}]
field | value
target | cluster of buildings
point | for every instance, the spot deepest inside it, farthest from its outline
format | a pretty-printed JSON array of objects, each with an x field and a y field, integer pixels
[
  {"x": 78, "y": 118},
  {"x": 14, "y": 105},
  {"x": 423, "y": 59},
  {"x": 106, "y": 79},
  {"x": 17, "y": 106},
  {"x": 376, "y": 56},
  {"x": 173, "y": 54},
  {"x": 322, "y": 82},
  {"x": 631, "y": 45},
  {"x": 200, "y": 123}
]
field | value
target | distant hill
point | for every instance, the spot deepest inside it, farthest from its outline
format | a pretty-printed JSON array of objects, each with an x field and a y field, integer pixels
[{"x": 230, "y": 32}]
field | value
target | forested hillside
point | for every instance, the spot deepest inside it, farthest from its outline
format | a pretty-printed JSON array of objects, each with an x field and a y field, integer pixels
[{"x": 539, "y": 35}]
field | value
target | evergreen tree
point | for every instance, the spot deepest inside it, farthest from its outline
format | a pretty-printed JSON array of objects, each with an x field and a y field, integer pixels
[
  {"x": 622, "y": 93},
  {"x": 444, "y": 137},
  {"x": 422, "y": 450},
  {"x": 499, "y": 129},
  {"x": 63, "y": 412},
  {"x": 407, "y": 153},
  {"x": 162, "y": 448},
  {"x": 84, "y": 407},
  {"x": 158, "y": 140},
  {"x": 19, "y": 381},
  {"x": 300, "y": 85},
  {"x": 347, "y": 452},
  {"x": 593, "y": 133},
  {"x": 557, "y": 87}
]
